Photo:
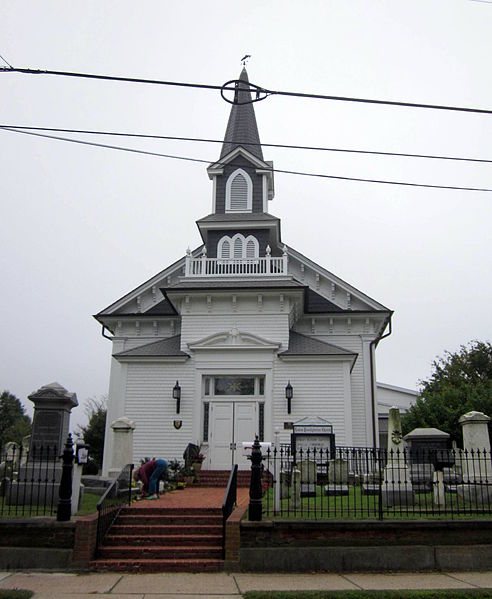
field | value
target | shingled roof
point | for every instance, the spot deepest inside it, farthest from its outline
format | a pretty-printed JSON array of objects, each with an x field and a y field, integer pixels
[
  {"x": 242, "y": 125},
  {"x": 308, "y": 346},
  {"x": 162, "y": 348}
]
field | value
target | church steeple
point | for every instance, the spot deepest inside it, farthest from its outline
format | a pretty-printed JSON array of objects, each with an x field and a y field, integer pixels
[{"x": 242, "y": 125}]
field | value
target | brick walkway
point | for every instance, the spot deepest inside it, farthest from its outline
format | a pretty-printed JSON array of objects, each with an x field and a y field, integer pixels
[{"x": 194, "y": 497}]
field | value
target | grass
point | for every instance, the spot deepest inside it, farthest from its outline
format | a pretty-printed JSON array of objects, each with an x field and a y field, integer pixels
[
  {"x": 357, "y": 506},
  {"x": 15, "y": 594},
  {"x": 89, "y": 503},
  {"x": 420, "y": 594}
]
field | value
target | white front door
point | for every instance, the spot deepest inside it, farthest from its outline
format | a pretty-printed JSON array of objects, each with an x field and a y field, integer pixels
[{"x": 231, "y": 423}]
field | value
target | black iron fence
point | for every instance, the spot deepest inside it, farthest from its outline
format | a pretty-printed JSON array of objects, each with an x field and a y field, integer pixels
[
  {"x": 29, "y": 480},
  {"x": 355, "y": 482},
  {"x": 230, "y": 499},
  {"x": 109, "y": 506}
]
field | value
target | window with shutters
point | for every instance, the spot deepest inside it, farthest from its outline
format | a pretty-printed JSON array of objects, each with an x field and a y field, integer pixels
[
  {"x": 239, "y": 192},
  {"x": 242, "y": 247}
]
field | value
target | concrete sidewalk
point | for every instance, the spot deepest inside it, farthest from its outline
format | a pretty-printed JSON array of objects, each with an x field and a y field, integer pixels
[{"x": 224, "y": 585}]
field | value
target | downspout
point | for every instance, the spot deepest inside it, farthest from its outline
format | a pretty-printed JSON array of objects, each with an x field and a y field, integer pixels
[
  {"x": 106, "y": 336},
  {"x": 372, "y": 346}
]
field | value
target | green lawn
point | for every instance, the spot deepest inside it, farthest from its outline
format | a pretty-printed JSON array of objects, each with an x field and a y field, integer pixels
[
  {"x": 89, "y": 502},
  {"x": 358, "y": 506},
  {"x": 15, "y": 594}
]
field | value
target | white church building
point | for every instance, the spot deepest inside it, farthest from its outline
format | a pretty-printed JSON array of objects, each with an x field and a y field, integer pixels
[{"x": 207, "y": 350}]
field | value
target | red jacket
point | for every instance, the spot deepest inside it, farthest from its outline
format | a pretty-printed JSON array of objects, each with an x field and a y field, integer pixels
[{"x": 145, "y": 472}]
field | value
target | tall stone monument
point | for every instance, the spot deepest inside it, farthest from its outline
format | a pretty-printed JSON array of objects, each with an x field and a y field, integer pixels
[
  {"x": 52, "y": 407},
  {"x": 476, "y": 461},
  {"x": 40, "y": 475},
  {"x": 122, "y": 445},
  {"x": 397, "y": 486}
]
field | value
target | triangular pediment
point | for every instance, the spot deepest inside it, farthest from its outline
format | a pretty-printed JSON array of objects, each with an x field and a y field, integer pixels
[{"x": 233, "y": 339}]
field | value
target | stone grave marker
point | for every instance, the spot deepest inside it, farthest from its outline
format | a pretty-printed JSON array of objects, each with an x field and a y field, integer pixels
[
  {"x": 397, "y": 485},
  {"x": 308, "y": 470},
  {"x": 338, "y": 474}
]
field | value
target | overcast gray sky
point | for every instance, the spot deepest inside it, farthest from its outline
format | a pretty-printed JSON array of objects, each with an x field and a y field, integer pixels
[{"x": 81, "y": 226}]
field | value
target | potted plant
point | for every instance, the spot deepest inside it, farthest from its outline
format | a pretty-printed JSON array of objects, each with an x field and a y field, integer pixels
[
  {"x": 188, "y": 475},
  {"x": 197, "y": 462}
]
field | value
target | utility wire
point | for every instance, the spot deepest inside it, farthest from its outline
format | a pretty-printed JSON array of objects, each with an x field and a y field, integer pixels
[
  {"x": 6, "y": 62},
  {"x": 264, "y": 91},
  {"x": 219, "y": 163},
  {"x": 244, "y": 143}
]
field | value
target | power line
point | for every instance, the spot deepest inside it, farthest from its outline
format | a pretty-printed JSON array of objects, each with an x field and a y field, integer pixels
[
  {"x": 245, "y": 143},
  {"x": 218, "y": 162},
  {"x": 6, "y": 62},
  {"x": 259, "y": 90}
]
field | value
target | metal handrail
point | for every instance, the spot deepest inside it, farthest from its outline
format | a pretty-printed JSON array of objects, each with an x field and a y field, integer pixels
[
  {"x": 118, "y": 494},
  {"x": 230, "y": 500}
]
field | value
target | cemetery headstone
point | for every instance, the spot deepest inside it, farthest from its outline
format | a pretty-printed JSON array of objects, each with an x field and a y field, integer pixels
[
  {"x": 476, "y": 465},
  {"x": 338, "y": 473},
  {"x": 397, "y": 486},
  {"x": 308, "y": 470},
  {"x": 40, "y": 475},
  {"x": 122, "y": 445}
]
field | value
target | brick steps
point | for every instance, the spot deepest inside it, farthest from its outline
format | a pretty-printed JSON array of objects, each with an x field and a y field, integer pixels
[
  {"x": 159, "y": 565},
  {"x": 157, "y": 539},
  {"x": 171, "y": 519},
  {"x": 163, "y": 539},
  {"x": 168, "y": 529},
  {"x": 220, "y": 478},
  {"x": 159, "y": 552}
]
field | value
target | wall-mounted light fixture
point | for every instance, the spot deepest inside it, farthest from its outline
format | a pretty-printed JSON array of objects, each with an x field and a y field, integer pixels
[
  {"x": 177, "y": 396},
  {"x": 289, "y": 391}
]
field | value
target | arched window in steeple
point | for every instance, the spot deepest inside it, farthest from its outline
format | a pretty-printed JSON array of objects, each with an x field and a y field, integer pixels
[
  {"x": 242, "y": 247},
  {"x": 239, "y": 192}
]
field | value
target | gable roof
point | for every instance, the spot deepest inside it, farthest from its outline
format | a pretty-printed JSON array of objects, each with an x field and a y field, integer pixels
[
  {"x": 162, "y": 348},
  {"x": 302, "y": 345},
  {"x": 316, "y": 303},
  {"x": 242, "y": 126}
]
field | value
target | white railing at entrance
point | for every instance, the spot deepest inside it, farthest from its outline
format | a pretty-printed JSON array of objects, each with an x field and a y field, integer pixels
[{"x": 266, "y": 266}]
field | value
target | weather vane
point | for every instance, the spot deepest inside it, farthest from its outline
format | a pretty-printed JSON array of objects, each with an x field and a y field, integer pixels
[{"x": 245, "y": 58}]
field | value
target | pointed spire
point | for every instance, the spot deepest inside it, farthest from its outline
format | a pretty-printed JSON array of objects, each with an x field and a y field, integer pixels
[{"x": 242, "y": 122}]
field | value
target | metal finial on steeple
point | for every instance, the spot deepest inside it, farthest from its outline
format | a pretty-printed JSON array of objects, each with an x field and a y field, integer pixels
[{"x": 244, "y": 59}]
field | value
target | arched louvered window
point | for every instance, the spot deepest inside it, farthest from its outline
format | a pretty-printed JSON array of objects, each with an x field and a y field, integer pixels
[
  {"x": 239, "y": 246},
  {"x": 225, "y": 250},
  {"x": 239, "y": 192},
  {"x": 250, "y": 249}
]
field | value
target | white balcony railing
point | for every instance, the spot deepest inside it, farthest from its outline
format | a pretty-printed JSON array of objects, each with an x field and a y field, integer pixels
[{"x": 267, "y": 266}]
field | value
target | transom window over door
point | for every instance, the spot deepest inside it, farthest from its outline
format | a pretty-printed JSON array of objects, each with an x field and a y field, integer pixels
[
  {"x": 244, "y": 385},
  {"x": 239, "y": 192}
]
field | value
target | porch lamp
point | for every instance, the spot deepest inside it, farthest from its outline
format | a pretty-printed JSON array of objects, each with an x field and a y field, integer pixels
[
  {"x": 288, "y": 396},
  {"x": 177, "y": 396}
]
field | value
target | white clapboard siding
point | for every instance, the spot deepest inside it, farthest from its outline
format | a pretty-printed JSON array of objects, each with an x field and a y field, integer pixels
[
  {"x": 272, "y": 327},
  {"x": 360, "y": 393},
  {"x": 319, "y": 390},
  {"x": 149, "y": 403}
]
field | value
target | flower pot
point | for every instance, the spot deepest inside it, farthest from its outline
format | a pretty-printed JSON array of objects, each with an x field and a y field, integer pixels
[{"x": 197, "y": 466}]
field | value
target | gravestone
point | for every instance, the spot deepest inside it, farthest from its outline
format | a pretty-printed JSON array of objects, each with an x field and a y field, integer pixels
[
  {"x": 308, "y": 478},
  {"x": 476, "y": 464},
  {"x": 52, "y": 407},
  {"x": 397, "y": 486},
  {"x": 424, "y": 443},
  {"x": 122, "y": 445},
  {"x": 40, "y": 475},
  {"x": 338, "y": 474}
]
